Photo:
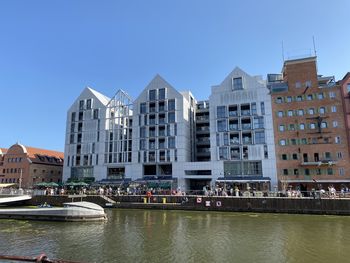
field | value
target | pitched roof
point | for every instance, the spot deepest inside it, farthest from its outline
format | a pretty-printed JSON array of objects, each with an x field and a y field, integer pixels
[
  {"x": 37, "y": 151},
  {"x": 3, "y": 150},
  {"x": 104, "y": 99}
]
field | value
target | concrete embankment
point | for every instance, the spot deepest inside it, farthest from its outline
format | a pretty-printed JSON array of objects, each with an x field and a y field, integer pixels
[{"x": 200, "y": 203}]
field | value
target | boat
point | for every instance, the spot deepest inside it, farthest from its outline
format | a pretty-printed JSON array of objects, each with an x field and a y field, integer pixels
[{"x": 73, "y": 211}]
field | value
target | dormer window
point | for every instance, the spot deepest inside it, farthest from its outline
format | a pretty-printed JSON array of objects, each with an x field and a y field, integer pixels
[{"x": 237, "y": 83}]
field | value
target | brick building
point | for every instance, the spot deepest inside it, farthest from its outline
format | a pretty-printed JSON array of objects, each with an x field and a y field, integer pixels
[
  {"x": 309, "y": 127},
  {"x": 33, "y": 165}
]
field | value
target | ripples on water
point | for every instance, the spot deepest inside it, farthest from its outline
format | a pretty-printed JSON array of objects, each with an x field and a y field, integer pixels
[{"x": 176, "y": 236}]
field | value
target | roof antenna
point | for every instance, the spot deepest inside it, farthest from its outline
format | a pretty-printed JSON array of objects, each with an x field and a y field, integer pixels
[
  {"x": 282, "y": 51},
  {"x": 313, "y": 40}
]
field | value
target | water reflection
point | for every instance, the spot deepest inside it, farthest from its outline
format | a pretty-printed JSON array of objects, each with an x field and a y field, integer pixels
[{"x": 175, "y": 236}]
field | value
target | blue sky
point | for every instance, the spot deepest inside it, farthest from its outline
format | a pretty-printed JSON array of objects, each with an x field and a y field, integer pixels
[{"x": 51, "y": 50}]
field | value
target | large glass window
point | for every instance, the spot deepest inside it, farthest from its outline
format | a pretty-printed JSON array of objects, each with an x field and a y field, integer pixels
[
  {"x": 259, "y": 137},
  {"x": 171, "y": 105},
  {"x": 221, "y": 125},
  {"x": 161, "y": 95},
  {"x": 143, "y": 132},
  {"x": 237, "y": 83},
  {"x": 171, "y": 142},
  {"x": 221, "y": 111},
  {"x": 152, "y": 95},
  {"x": 223, "y": 155},
  {"x": 143, "y": 108},
  {"x": 171, "y": 117},
  {"x": 258, "y": 122},
  {"x": 88, "y": 104}
]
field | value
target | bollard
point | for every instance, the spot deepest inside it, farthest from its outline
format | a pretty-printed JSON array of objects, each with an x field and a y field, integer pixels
[
  {"x": 145, "y": 200},
  {"x": 164, "y": 200}
]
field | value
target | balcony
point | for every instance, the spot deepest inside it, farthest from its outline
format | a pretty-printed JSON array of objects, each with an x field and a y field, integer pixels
[
  {"x": 202, "y": 129},
  {"x": 203, "y": 152},
  {"x": 319, "y": 163},
  {"x": 204, "y": 118},
  {"x": 205, "y": 141}
]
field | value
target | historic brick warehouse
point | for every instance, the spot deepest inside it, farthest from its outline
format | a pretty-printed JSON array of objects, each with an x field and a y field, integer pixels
[
  {"x": 27, "y": 166},
  {"x": 168, "y": 136}
]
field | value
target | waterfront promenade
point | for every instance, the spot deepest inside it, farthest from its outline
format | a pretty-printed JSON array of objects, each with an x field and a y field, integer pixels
[{"x": 263, "y": 204}]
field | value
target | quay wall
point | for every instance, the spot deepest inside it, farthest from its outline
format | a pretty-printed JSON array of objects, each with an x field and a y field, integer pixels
[{"x": 200, "y": 203}]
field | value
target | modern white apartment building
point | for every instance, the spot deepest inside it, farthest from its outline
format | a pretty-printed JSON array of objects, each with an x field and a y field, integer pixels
[
  {"x": 167, "y": 135},
  {"x": 241, "y": 130}
]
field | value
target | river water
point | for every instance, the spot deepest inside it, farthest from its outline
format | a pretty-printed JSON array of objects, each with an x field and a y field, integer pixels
[{"x": 181, "y": 236}]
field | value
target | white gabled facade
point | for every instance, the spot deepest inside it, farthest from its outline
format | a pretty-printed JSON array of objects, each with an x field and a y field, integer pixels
[
  {"x": 168, "y": 135},
  {"x": 85, "y": 136},
  {"x": 241, "y": 129}
]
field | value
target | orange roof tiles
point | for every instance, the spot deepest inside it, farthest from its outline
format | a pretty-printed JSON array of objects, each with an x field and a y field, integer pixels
[{"x": 33, "y": 151}]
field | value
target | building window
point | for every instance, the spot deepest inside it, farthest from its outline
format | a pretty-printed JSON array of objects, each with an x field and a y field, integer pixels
[
  {"x": 327, "y": 155},
  {"x": 320, "y": 96},
  {"x": 293, "y": 141},
  {"x": 283, "y": 142},
  {"x": 81, "y": 105},
  {"x": 298, "y": 84},
  {"x": 302, "y": 126},
  {"x": 290, "y": 113},
  {"x": 143, "y": 144},
  {"x": 300, "y": 112},
  {"x": 254, "y": 108},
  {"x": 324, "y": 125},
  {"x": 237, "y": 83},
  {"x": 96, "y": 114},
  {"x": 322, "y": 110},
  {"x": 143, "y": 132},
  {"x": 291, "y": 127},
  {"x": 289, "y": 99},
  {"x": 339, "y": 155},
  {"x": 73, "y": 117},
  {"x": 152, "y": 95},
  {"x": 171, "y": 105},
  {"x": 295, "y": 156},
  {"x": 281, "y": 128},
  {"x": 89, "y": 104},
  {"x": 279, "y": 100},
  {"x": 303, "y": 141},
  {"x": 171, "y": 117},
  {"x": 143, "y": 108},
  {"x": 221, "y": 125},
  {"x": 341, "y": 171},
  {"x": 221, "y": 111},
  {"x": 262, "y": 107},
  {"x": 285, "y": 171},
  {"x": 284, "y": 157},
  {"x": 258, "y": 122},
  {"x": 348, "y": 87},
  {"x": 312, "y": 126},
  {"x": 259, "y": 137},
  {"x": 299, "y": 98},
  {"x": 307, "y": 171},
  {"x": 171, "y": 142},
  {"x": 280, "y": 114},
  {"x": 161, "y": 94},
  {"x": 309, "y": 97},
  {"x": 308, "y": 84},
  {"x": 311, "y": 111},
  {"x": 223, "y": 153},
  {"x": 337, "y": 139},
  {"x": 332, "y": 95},
  {"x": 266, "y": 152},
  {"x": 329, "y": 171},
  {"x": 334, "y": 108}
]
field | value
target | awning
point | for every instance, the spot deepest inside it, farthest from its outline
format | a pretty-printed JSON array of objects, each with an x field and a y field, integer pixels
[
  {"x": 243, "y": 179},
  {"x": 6, "y": 185},
  {"x": 316, "y": 181}
]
